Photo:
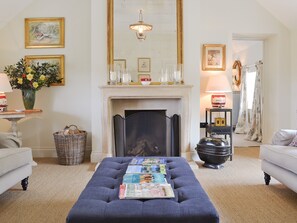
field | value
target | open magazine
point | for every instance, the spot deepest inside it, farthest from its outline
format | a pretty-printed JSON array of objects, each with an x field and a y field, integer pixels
[
  {"x": 144, "y": 178},
  {"x": 155, "y": 168},
  {"x": 147, "y": 161},
  {"x": 145, "y": 191}
]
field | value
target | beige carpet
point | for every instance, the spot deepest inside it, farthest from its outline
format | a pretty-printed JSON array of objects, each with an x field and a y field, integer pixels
[{"x": 237, "y": 191}]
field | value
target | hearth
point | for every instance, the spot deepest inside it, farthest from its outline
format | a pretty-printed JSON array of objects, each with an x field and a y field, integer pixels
[{"x": 147, "y": 133}]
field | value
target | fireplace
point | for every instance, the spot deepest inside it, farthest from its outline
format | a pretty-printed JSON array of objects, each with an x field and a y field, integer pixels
[
  {"x": 114, "y": 99},
  {"x": 147, "y": 133}
]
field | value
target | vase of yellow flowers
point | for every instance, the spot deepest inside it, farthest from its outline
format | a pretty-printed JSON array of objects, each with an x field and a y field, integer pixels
[{"x": 30, "y": 78}]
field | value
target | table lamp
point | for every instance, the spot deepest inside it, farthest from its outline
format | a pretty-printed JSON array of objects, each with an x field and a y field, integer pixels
[
  {"x": 4, "y": 87},
  {"x": 218, "y": 84}
]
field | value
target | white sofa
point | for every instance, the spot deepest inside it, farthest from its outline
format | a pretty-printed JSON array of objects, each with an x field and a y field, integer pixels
[
  {"x": 279, "y": 160},
  {"x": 15, "y": 163}
]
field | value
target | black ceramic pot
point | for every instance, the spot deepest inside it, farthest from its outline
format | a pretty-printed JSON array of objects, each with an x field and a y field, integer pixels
[{"x": 213, "y": 151}]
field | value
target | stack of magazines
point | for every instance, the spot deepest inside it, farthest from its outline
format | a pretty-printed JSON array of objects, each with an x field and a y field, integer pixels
[{"x": 145, "y": 179}]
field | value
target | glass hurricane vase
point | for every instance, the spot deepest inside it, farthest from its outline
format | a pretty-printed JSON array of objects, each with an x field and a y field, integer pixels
[{"x": 28, "y": 98}]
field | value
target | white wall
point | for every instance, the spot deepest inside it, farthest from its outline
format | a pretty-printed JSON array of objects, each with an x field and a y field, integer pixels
[
  {"x": 63, "y": 105},
  {"x": 222, "y": 19},
  {"x": 250, "y": 55},
  {"x": 294, "y": 78},
  {"x": 78, "y": 102}
]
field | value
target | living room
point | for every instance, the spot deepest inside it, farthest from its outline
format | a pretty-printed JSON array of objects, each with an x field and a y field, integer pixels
[{"x": 79, "y": 100}]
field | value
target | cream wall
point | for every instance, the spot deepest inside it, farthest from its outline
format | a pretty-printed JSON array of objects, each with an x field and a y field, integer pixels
[
  {"x": 294, "y": 78},
  {"x": 224, "y": 19},
  {"x": 69, "y": 104},
  {"x": 78, "y": 101}
]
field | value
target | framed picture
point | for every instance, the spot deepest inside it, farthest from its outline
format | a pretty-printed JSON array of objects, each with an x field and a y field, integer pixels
[
  {"x": 119, "y": 63},
  {"x": 44, "y": 33},
  {"x": 144, "y": 65},
  {"x": 52, "y": 59},
  {"x": 214, "y": 57}
]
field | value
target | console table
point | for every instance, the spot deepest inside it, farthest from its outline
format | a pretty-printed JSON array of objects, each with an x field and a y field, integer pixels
[{"x": 14, "y": 116}]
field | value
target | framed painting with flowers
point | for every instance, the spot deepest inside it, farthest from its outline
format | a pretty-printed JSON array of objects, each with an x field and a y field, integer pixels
[
  {"x": 44, "y": 33},
  {"x": 51, "y": 59},
  {"x": 214, "y": 57}
]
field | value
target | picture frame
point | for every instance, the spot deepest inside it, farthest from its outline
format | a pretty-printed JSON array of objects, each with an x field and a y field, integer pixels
[
  {"x": 59, "y": 59},
  {"x": 121, "y": 63},
  {"x": 214, "y": 57},
  {"x": 144, "y": 64},
  {"x": 44, "y": 32}
]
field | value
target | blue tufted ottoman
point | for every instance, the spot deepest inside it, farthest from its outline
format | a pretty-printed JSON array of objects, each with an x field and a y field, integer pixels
[{"x": 99, "y": 202}]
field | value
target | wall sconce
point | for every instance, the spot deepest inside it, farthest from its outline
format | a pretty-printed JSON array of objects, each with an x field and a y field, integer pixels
[
  {"x": 218, "y": 84},
  {"x": 4, "y": 87},
  {"x": 140, "y": 27}
]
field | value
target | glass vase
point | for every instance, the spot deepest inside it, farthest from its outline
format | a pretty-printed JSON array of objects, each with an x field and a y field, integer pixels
[{"x": 28, "y": 98}]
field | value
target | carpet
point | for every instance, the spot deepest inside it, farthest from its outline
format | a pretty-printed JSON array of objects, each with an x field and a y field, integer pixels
[{"x": 237, "y": 191}]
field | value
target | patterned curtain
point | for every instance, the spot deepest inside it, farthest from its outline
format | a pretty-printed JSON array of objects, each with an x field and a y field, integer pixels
[
  {"x": 242, "y": 125},
  {"x": 255, "y": 131}
]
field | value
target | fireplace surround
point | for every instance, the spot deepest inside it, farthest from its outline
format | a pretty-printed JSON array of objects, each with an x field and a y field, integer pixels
[{"x": 115, "y": 99}]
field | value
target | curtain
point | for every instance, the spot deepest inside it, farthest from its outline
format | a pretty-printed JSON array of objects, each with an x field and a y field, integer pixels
[
  {"x": 255, "y": 131},
  {"x": 242, "y": 125}
]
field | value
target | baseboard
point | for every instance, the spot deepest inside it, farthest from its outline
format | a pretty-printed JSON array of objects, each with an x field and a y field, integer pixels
[{"x": 51, "y": 152}]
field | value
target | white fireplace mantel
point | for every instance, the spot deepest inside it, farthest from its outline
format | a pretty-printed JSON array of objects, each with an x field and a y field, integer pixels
[{"x": 142, "y": 97}]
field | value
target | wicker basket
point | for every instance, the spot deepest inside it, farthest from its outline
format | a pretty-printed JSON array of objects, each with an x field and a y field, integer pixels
[{"x": 71, "y": 146}]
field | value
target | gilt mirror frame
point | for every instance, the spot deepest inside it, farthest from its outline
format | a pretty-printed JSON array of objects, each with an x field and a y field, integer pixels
[{"x": 110, "y": 31}]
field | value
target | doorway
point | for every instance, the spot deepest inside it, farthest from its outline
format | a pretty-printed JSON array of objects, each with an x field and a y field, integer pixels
[{"x": 248, "y": 53}]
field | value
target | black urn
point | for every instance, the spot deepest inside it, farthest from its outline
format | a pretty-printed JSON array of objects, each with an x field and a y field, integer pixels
[{"x": 213, "y": 151}]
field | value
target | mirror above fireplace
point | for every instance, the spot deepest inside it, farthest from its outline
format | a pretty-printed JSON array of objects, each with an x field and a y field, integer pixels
[{"x": 162, "y": 45}]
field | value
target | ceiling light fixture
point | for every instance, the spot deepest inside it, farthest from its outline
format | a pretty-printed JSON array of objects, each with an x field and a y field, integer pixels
[{"x": 141, "y": 27}]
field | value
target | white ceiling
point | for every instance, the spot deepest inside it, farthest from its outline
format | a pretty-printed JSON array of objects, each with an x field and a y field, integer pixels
[
  {"x": 284, "y": 10},
  {"x": 10, "y": 8}
]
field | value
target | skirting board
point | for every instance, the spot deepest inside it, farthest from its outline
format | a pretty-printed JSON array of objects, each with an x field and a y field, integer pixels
[{"x": 51, "y": 152}]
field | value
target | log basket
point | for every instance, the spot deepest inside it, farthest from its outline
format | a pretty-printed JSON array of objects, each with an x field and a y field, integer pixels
[{"x": 70, "y": 145}]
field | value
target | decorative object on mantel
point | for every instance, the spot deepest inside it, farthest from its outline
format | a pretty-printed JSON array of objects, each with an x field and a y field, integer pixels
[
  {"x": 140, "y": 27},
  {"x": 145, "y": 80},
  {"x": 4, "y": 87},
  {"x": 31, "y": 78},
  {"x": 214, "y": 57},
  {"x": 218, "y": 84}
]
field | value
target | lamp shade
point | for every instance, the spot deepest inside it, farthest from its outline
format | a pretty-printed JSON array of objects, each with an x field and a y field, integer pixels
[
  {"x": 218, "y": 84},
  {"x": 4, "y": 83}
]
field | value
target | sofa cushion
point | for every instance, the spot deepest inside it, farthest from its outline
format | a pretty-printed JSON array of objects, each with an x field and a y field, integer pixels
[
  {"x": 283, "y": 137},
  {"x": 13, "y": 158},
  {"x": 283, "y": 156},
  {"x": 294, "y": 142}
]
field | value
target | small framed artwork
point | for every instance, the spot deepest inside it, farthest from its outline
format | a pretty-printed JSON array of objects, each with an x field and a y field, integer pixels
[
  {"x": 119, "y": 63},
  {"x": 44, "y": 33},
  {"x": 144, "y": 65},
  {"x": 52, "y": 59},
  {"x": 214, "y": 57}
]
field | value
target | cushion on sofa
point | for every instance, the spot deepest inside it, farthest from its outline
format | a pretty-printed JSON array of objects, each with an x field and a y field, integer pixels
[
  {"x": 9, "y": 140},
  {"x": 13, "y": 158},
  {"x": 283, "y": 137},
  {"x": 283, "y": 156},
  {"x": 294, "y": 142}
]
